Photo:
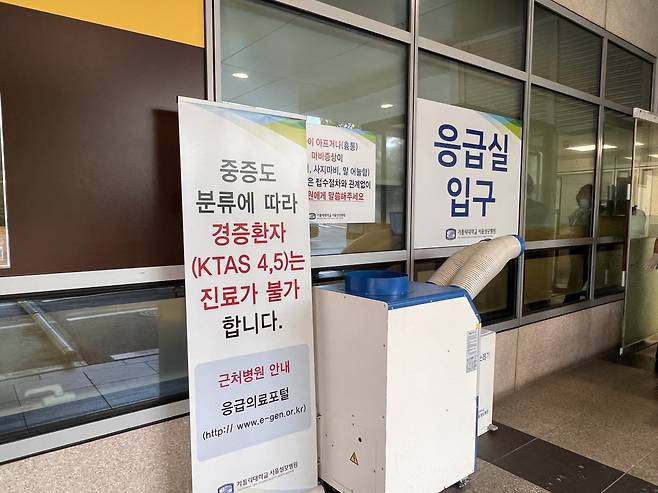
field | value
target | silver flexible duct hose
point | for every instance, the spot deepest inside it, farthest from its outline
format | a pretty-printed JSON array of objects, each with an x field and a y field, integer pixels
[
  {"x": 444, "y": 274},
  {"x": 489, "y": 261}
]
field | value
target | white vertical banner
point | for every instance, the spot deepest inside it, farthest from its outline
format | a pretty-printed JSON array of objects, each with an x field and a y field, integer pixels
[
  {"x": 468, "y": 172},
  {"x": 248, "y": 299},
  {"x": 341, "y": 174}
]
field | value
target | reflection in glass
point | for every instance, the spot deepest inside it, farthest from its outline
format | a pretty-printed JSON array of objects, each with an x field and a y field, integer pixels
[
  {"x": 393, "y": 12},
  {"x": 609, "y": 267},
  {"x": 495, "y": 303},
  {"x": 291, "y": 62},
  {"x": 560, "y": 166},
  {"x": 555, "y": 277},
  {"x": 615, "y": 174},
  {"x": 641, "y": 312},
  {"x": 68, "y": 359},
  {"x": 498, "y": 35},
  {"x": 450, "y": 82},
  {"x": 565, "y": 52},
  {"x": 628, "y": 78}
]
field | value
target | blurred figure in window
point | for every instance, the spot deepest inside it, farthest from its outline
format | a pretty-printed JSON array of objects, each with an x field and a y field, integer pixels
[
  {"x": 582, "y": 216},
  {"x": 579, "y": 220}
]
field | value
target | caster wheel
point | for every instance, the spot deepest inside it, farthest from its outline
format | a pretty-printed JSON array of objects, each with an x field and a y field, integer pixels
[{"x": 462, "y": 483}]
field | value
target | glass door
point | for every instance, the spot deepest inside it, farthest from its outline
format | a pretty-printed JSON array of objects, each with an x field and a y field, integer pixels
[{"x": 641, "y": 301}]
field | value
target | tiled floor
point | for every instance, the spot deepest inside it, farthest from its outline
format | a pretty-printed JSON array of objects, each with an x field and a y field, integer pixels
[
  {"x": 66, "y": 394},
  {"x": 593, "y": 428}
]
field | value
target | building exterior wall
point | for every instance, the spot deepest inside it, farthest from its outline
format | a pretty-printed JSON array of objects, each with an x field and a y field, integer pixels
[
  {"x": 528, "y": 353},
  {"x": 153, "y": 459},
  {"x": 156, "y": 458}
]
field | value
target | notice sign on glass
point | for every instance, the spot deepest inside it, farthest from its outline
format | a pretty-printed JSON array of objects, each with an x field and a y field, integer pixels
[
  {"x": 4, "y": 228},
  {"x": 248, "y": 298},
  {"x": 468, "y": 171},
  {"x": 341, "y": 174}
]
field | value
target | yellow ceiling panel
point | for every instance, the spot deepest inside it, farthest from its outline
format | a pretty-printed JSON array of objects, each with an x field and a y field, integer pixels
[{"x": 175, "y": 20}]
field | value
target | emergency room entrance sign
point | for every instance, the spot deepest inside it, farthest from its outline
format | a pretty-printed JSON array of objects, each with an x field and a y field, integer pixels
[
  {"x": 468, "y": 171},
  {"x": 248, "y": 298}
]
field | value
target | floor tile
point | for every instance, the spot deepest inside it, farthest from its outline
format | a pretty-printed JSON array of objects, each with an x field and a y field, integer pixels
[
  {"x": 647, "y": 469},
  {"x": 104, "y": 366},
  {"x": 142, "y": 359},
  {"x": 605, "y": 375},
  {"x": 9, "y": 408},
  {"x": 521, "y": 413},
  {"x": 49, "y": 399},
  {"x": 128, "y": 384},
  {"x": 176, "y": 386},
  {"x": 101, "y": 376},
  {"x": 66, "y": 411},
  {"x": 614, "y": 391},
  {"x": 7, "y": 392},
  {"x": 495, "y": 444},
  {"x": 649, "y": 351},
  {"x": 131, "y": 391},
  {"x": 70, "y": 384},
  {"x": 493, "y": 479},
  {"x": 587, "y": 437},
  {"x": 639, "y": 424},
  {"x": 631, "y": 484},
  {"x": 12, "y": 424},
  {"x": 68, "y": 379},
  {"x": 132, "y": 395},
  {"x": 644, "y": 360},
  {"x": 558, "y": 470}
]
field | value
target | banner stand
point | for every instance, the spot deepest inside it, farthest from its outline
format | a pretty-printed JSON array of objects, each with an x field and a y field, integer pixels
[{"x": 248, "y": 299}]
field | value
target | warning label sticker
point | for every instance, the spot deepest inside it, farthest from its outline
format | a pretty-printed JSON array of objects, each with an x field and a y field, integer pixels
[
  {"x": 472, "y": 350},
  {"x": 354, "y": 459}
]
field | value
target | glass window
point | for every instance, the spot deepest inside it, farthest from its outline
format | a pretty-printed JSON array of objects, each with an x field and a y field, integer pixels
[
  {"x": 628, "y": 78},
  {"x": 456, "y": 83},
  {"x": 498, "y": 35},
  {"x": 450, "y": 82},
  {"x": 276, "y": 58},
  {"x": 564, "y": 52},
  {"x": 560, "y": 166},
  {"x": 393, "y": 12},
  {"x": 609, "y": 267},
  {"x": 337, "y": 274},
  {"x": 555, "y": 277},
  {"x": 68, "y": 359},
  {"x": 495, "y": 303},
  {"x": 615, "y": 173}
]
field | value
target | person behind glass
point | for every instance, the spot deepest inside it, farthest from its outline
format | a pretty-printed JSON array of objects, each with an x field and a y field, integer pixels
[
  {"x": 582, "y": 216},
  {"x": 652, "y": 265},
  {"x": 579, "y": 220}
]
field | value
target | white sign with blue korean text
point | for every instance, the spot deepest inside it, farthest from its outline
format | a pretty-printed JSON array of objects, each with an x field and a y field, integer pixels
[
  {"x": 468, "y": 171},
  {"x": 248, "y": 299}
]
